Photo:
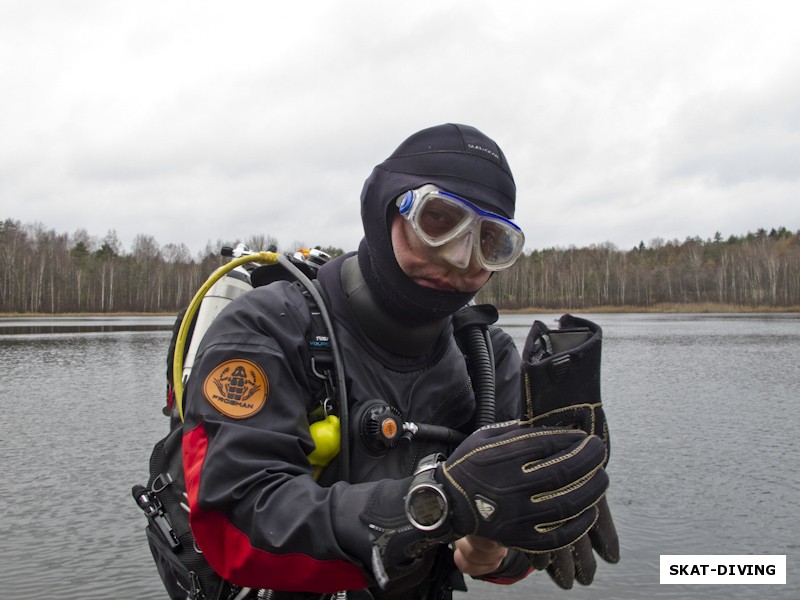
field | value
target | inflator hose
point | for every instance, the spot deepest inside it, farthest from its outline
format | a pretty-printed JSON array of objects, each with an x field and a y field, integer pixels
[
  {"x": 341, "y": 389},
  {"x": 471, "y": 326}
]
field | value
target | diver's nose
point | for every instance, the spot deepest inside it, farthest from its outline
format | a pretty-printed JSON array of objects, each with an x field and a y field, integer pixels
[{"x": 458, "y": 252}]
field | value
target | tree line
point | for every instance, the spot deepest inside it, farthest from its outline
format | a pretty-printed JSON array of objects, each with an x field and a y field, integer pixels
[
  {"x": 43, "y": 271},
  {"x": 760, "y": 269}
]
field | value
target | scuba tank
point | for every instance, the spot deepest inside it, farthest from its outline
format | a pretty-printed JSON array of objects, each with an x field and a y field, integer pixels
[{"x": 232, "y": 285}]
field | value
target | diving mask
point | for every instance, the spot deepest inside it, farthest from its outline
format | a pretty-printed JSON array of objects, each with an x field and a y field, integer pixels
[{"x": 459, "y": 228}]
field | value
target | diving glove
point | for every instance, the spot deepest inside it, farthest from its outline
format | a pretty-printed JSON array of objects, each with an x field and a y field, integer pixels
[
  {"x": 561, "y": 380},
  {"x": 529, "y": 488}
]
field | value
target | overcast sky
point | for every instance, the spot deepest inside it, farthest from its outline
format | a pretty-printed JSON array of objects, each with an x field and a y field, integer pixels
[{"x": 197, "y": 121}]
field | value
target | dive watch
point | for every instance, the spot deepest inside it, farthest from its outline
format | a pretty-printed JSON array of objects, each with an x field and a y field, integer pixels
[{"x": 426, "y": 503}]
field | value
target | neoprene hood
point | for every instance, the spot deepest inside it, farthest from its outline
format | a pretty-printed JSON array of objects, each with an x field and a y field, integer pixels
[{"x": 457, "y": 158}]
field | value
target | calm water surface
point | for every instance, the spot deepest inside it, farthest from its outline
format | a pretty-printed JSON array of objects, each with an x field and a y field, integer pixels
[{"x": 703, "y": 411}]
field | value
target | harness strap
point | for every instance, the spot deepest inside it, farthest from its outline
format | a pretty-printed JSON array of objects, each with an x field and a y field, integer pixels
[{"x": 319, "y": 346}]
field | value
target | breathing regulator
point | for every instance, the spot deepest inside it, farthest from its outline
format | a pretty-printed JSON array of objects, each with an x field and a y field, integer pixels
[{"x": 382, "y": 428}]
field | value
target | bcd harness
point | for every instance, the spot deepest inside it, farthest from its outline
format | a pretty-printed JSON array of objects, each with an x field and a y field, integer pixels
[{"x": 181, "y": 564}]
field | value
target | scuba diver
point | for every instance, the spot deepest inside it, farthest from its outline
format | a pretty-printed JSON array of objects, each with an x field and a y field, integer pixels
[{"x": 431, "y": 478}]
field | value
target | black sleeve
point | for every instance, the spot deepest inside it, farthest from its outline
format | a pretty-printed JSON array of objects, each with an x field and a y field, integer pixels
[{"x": 257, "y": 513}]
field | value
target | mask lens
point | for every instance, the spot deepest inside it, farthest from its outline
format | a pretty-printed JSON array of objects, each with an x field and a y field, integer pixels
[
  {"x": 440, "y": 217},
  {"x": 500, "y": 243}
]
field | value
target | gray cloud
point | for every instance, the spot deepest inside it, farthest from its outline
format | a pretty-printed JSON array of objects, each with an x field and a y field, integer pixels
[
  {"x": 623, "y": 121},
  {"x": 737, "y": 136}
]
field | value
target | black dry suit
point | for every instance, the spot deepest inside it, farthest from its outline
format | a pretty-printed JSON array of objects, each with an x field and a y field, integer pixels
[{"x": 259, "y": 516}]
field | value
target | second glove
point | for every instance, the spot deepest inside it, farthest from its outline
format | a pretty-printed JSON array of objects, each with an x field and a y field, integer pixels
[{"x": 561, "y": 380}]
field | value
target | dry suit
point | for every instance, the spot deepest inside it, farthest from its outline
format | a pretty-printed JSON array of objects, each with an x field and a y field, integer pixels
[{"x": 258, "y": 515}]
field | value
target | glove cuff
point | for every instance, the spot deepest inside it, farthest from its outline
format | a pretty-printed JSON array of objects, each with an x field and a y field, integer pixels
[
  {"x": 561, "y": 367},
  {"x": 515, "y": 566}
]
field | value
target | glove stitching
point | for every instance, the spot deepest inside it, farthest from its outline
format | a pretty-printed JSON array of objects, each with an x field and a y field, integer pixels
[
  {"x": 579, "y": 572},
  {"x": 550, "y": 494},
  {"x": 532, "y": 434},
  {"x": 532, "y": 466},
  {"x": 553, "y": 525},
  {"x": 569, "y": 408},
  {"x": 463, "y": 492},
  {"x": 568, "y": 544},
  {"x": 528, "y": 400},
  {"x": 555, "y": 569}
]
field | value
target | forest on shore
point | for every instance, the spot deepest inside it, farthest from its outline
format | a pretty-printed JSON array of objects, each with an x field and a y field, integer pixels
[{"x": 46, "y": 272}]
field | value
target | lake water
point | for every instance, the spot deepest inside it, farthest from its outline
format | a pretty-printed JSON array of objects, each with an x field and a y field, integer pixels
[{"x": 703, "y": 412}]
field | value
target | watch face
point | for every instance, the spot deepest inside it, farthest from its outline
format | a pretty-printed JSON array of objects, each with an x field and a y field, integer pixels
[{"x": 427, "y": 507}]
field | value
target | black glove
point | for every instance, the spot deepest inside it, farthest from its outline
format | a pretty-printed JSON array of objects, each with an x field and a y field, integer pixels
[
  {"x": 576, "y": 562},
  {"x": 529, "y": 488},
  {"x": 561, "y": 376},
  {"x": 561, "y": 379}
]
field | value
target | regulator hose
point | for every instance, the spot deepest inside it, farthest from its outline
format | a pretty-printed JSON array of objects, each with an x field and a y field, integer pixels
[
  {"x": 434, "y": 432},
  {"x": 267, "y": 258}
]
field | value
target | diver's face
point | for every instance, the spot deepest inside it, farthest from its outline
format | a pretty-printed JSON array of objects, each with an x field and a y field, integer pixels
[{"x": 427, "y": 266}]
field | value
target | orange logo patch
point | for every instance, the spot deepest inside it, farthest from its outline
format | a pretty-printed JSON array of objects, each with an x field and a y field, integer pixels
[{"x": 237, "y": 388}]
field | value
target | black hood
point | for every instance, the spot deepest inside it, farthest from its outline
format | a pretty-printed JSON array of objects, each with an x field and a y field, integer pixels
[{"x": 456, "y": 158}]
